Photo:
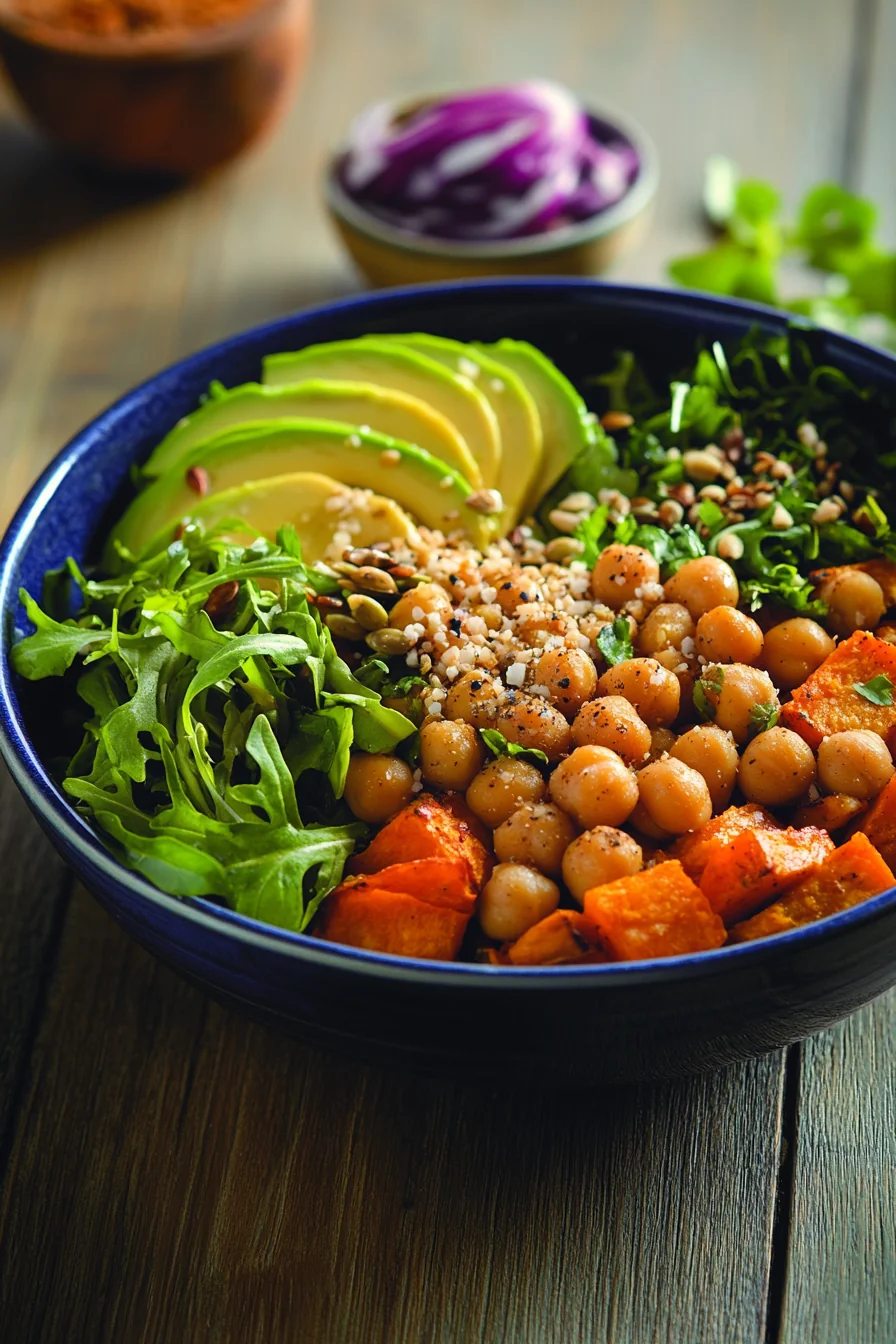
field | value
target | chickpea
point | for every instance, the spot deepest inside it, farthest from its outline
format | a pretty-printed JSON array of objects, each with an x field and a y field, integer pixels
[
  {"x": 513, "y": 899},
  {"x": 451, "y": 753},
  {"x": 537, "y": 834},
  {"x": 501, "y": 787},
  {"x": 426, "y": 598},
  {"x": 376, "y": 787},
  {"x": 651, "y": 688},
  {"x": 794, "y": 649},
  {"x": 742, "y": 687},
  {"x": 726, "y": 635},
  {"x": 570, "y": 677},
  {"x": 665, "y": 628},
  {"x": 711, "y": 752},
  {"x": 620, "y": 571},
  {"x": 516, "y": 590},
  {"x": 598, "y": 856},
  {"x": 703, "y": 584},
  {"x": 777, "y": 767},
  {"x": 643, "y": 823},
  {"x": 675, "y": 797},
  {"x": 531, "y": 722},
  {"x": 474, "y": 698},
  {"x": 855, "y": 762},
  {"x": 595, "y": 787},
  {"x": 855, "y": 601},
  {"x": 615, "y": 723}
]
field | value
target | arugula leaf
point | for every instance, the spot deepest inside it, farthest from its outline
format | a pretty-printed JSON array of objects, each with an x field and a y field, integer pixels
[
  {"x": 499, "y": 746},
  {"x": 615, "y": 641},
  {"x": 879, "y": 690},
  {"x": 54, "y": 646}
]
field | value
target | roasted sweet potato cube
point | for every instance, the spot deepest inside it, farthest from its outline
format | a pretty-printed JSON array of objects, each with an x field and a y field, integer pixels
[
  {"x": 694, "y": 851},
  {"x": 854, "y": 873},
  {"x": 757, "y": 866},
  {"x": 425, "y": 829},
  {"x": 827, "y": 701},
  {"x": 658, "y": 912},
  {"x": 563, "y": 937},
  {"x": 831, "y": 813},
  {"x": 884, "y": 571},
  {"x": 365, "y": 916},
  {"x": 436, "y": 881},
  {"x": 879, "y": 824}
]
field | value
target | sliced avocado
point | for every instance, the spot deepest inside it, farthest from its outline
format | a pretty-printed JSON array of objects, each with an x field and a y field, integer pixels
[
  {"x": 383, "y": 409},
  {"x": 513, "y": 404},
  {"x": 370, "y": 360},
  {"x": 430, "y": 490},
  {"x": 567, "y": 424},
  {"x": 308, "y": 500}
]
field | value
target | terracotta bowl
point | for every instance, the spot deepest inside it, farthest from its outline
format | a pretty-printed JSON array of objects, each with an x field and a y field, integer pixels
[
  {"x": 179, "y": 102},
  {"x": 389, "y": 256}
]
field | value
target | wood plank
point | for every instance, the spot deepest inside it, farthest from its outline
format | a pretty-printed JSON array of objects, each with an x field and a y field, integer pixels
[
  {"x": 204, "y": 1179},
  {"x": 841, "y": 1277},
  {"x": 35, "y": 887}
]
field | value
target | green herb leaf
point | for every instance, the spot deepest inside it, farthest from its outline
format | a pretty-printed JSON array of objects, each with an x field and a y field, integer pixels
[
  {"x": 710, "y": 683},
  {"x": 763, "y": 717},
  {"x": 879, "y": 690},
  {"x": 615, "y": 641},
  {"x": 499, "y": 746}
]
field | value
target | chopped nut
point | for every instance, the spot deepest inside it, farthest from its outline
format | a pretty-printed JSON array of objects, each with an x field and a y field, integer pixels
[
  {"x": 670, "y": 512},
  {"x": 390, "y": 457},
  {"x": 714, "y": 492},
  {"x": 828, "y": 511},
  {"x": 685, "y": 493},
  {"x": 807, "y": 434},
  {"x": 848, "y": 491},
  {"x": 781, "y": 519},
  {"x": 580, "y": 502},
  {"x": 615, "y": 420},
  {"x": 702, "y": 465},
  {"x": 642, "y": 507},
  {"x": 563, "y": 548},
  {"x": 369, "y": 556},
  {"x": 729, "y": 546},
  {"x": 563, "y": 521},
  {"x": 487, "y": 501},
  {"x": 762, "y": 499},
  {"x": 782, "y": 471}
]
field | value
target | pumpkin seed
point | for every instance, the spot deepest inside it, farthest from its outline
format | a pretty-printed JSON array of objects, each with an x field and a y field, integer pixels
[
  {"x": 372, "y": 580},
  {"x": 368, "y": 612},
  {"x": 344, "y": 627},
  {"x": 389, "y": 642}
]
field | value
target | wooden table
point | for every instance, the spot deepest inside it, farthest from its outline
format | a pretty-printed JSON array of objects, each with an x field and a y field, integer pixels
[{"x": 173, "y": 1173}]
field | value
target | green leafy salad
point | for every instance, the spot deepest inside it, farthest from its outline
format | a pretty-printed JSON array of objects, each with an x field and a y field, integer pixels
[
  {"x": 765, "y": 456},
  {"x": 214, "y": 755}
]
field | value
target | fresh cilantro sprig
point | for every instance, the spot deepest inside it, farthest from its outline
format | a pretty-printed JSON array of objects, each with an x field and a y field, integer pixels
[
  {"x": 498, "y": 745},
  {"x": 615, "y": 641},
  {"x": 214, "y": 751},
  {"x": 834, "y": 234}
]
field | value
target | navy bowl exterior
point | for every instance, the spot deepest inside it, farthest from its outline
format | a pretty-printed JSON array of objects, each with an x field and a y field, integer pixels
[{"x": 580, "y": 1026}]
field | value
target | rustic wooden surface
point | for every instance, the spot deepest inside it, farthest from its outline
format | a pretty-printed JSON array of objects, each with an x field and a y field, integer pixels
[{"x": 171, "y": 1172}]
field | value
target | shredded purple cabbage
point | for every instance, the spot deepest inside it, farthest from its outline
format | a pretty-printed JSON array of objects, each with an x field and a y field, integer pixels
[{"x": 499, "y": 163}]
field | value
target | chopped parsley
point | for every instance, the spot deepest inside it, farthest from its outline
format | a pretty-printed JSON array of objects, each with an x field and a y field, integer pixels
[
  {"x": 712, "y": 680},
  {"x": 499, "y": 746},
  {"x": 879, "y": 690},
  {"x": 615, "y": 641},
  {"x": 763, "y": 717}
]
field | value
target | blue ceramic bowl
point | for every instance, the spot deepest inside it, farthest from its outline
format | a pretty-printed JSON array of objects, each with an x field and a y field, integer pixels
[{"x": 583, "y": 1026}]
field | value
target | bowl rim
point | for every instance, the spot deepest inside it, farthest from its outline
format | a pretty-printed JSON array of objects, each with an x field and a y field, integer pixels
[
  {"x": 58, "y": 816},
  {"x": 635, "y": 200},
  {"x": 175, "y": 44}
]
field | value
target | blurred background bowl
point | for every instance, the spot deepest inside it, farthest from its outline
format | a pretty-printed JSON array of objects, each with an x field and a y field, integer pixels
[
  {"x": 387, "y": 255},
  {"x": 175, "y": 102}
]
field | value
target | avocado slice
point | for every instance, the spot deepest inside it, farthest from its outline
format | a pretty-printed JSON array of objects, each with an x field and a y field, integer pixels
[
  {"x": 370, "y": 359},
  {"x": 383, "y": 409},
  {"x": 307, "y": 499},
  {"x": 515, "y": 407},
  {"x": 429, "y": 489},
  {"x": 567, "y": 424}
]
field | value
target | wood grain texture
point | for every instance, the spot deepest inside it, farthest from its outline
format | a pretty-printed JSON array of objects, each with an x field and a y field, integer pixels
[
  {"x": 177, "y": 1173},
  {"x": 841, "y": 1278},
  {"x": 204, "y": 1179}
]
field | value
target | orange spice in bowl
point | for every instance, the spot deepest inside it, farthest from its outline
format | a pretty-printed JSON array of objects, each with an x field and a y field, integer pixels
[{"x": 160, "y": 86}]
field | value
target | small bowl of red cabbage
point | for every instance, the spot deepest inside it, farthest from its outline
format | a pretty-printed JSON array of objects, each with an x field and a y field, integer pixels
[{"x": 520, "y": 179}]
